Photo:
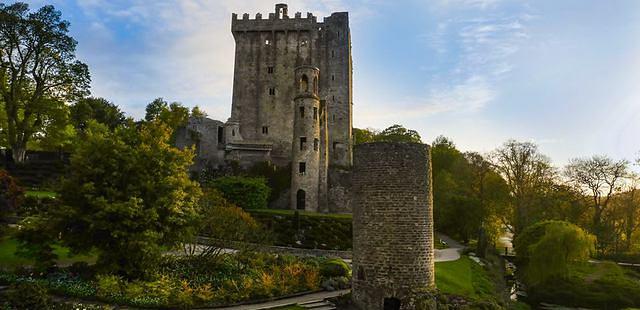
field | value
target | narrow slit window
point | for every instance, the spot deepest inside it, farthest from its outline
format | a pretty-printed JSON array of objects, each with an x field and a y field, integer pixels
[
  {"x": 303, "y": 143},
  {"x": 267, "y": 42},
  {"x": 270, "y": 70},
  {"x": 333, "y": 54},
  {"x": 301, "y": 112},
  {"x": 302, "y": 167},
  {"x": 316, "y": 144},
  {"x": 272, "y": 91},
  {"x": 333, "y": 77},
  {"x": 265, "y": 130},
  {"x": 315, "y": 113}
]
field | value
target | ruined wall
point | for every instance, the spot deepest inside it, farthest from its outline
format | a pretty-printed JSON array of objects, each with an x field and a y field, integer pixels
[
  {"x": 392, "y": 224},
  {"x": 204, "y": 134}
]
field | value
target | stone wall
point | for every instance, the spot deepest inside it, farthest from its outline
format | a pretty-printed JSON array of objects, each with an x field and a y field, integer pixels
[{"x": 392, "y": 224}]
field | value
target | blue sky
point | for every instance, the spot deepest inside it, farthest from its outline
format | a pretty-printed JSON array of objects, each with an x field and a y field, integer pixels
[{"x": 562, "y": 73}]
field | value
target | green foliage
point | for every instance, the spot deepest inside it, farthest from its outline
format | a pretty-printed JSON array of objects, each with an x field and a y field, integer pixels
[
  {"x": 127, "y": 195},
  {"x": 39, "y": 72},
  {"x": 244, "y": 192},
  {"x": 29, "y": 296},
  {"x": 307, "y": 230},
  {"x": 225, "y": 224},
  {"x": 394, "y": 133},
  {"x": 173, "y": 115},
  {"x": 278, "y": 178},
  {"x": 99, "y": 110},
  {"x": 335, "y": 268},
  {"x": 547, "y": 248},
  {"x": 468, "y": 194},
  {"x": 595, "y": 286}
]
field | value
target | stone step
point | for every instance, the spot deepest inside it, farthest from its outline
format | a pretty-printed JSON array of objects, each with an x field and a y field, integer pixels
[{"x": 318, "y": 305}]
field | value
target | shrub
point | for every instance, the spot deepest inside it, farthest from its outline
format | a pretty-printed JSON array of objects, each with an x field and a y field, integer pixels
[
  {"x": 11, "y": 195},
  {"x": 109, "y": 286},
  {"x": 29, "y": 296},
  {"x": 335, "y": 268},
  {"x": 244, "y": 192},
  {"x": 34, "y": 205},
  {"x": 128, "y": 195},
  {"x": 306, "y": 230}
]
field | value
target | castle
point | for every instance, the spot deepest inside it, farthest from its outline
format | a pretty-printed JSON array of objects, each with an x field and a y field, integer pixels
[{"x": 291, "y": 105}]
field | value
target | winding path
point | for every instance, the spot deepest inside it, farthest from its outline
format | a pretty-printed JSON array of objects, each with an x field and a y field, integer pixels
[{"x": 450, "y": 254}]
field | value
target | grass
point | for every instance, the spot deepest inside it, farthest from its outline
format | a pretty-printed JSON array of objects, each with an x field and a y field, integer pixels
[
  {"x": 464, "y": 277},
  {"x": 40, "y": 194},
  {"x": 8, "y": 257},
  {"x": 302, "y": 213}
]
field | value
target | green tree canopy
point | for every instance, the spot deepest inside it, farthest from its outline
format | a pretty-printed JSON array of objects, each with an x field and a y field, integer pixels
[
  {"x": 38, "y": 71},
  {"x": 128, "y": 194},
  {"x": 98, "y": 109},
  {"x": 546, "y": 249},
  {"x": 173, "y": 115},
  {"x": 395, "y": 133}
]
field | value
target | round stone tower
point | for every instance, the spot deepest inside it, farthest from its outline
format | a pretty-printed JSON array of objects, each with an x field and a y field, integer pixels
[
  {"x": 392, "y": 224},
  {"x": 305, "y": 166}
]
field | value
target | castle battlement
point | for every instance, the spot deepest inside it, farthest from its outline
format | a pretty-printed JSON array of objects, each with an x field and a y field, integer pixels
[{"x": 273, "y": 23}]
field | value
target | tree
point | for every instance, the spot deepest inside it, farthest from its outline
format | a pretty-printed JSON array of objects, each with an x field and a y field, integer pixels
[
  {"x": 226, "y": 225},
  {"x": 546, "y": 249},
  {"x": 598, "y": 177},
  {"x": 173, "y": 115},
  {"x": 397, "y": 133},
  {"x": 527, "y": 173},
  {"x": 364, "y": 135},
  {"x": 97, "y": 109},
  {"x": 197, "y": 112},
  {"x": 38, "y": 67},
  {"x": 128, "y": 194}
]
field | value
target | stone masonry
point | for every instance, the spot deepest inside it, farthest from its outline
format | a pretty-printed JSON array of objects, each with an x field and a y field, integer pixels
[
  {"x": 392, "y": 224},
  {"x": 263, "y": 126}
]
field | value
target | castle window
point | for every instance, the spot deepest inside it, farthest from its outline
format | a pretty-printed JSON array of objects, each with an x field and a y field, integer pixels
[
  {"x": 303, "y": 143},
  {"x": 391, "y": 304},
  {"x": 302, "y": 168},
  {"x": 360, "y": 274},
  {"x": 333, "y": 98},
  {"x": 265, "y": 130},
  {"x": 272, "y": 91},
  {"x": 300, "y": 199},
  {"x": 267, "y": 42},
  {"x": 338, "y": 34},
  {"x": 333, "y": 54},
  {"x": 270, "y": 70},
  {"x": 316, "y": 143},
  {"x": 315, "y": 113},
  {"x": 301, "y": 112},
  {"x": 220, "y": 134},
  {"x": 304, "y": 43},
  {"x": 335, "y": 145},
  {"x": 233, "y": 132},
  {"x": 333, "y": 77},
  {"x": 304, "y": 84}
]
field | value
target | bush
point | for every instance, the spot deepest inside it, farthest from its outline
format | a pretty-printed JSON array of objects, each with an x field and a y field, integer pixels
[
  {"x": 34, "y": 205},
  {"x": 335, "y": 268},
  {"x": 307, "y": 230},
  {"x": 244, "y": 192},
  {"x": 11, "y": 195},
  {"x": 29, "y": 296}
]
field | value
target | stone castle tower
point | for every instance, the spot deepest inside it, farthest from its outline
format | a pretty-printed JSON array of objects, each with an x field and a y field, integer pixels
[
  {"x": 268, "y": 51},
  {"x": 392, "y": 225},
  {"x": 291, "y": 105}
]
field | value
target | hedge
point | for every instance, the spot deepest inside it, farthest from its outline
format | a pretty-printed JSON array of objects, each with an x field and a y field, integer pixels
[
  {"x": 307, "y": 230},
  {"x": 244, "y": 192}
]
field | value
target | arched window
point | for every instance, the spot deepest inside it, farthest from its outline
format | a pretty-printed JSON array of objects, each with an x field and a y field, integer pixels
[
  {"x": 300, "y": 197},
  {"x": 315, "y": 85},
  {"x": 304, "y": 84}
]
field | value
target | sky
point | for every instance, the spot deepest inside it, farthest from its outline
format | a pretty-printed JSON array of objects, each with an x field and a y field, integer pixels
[{"x": 563, "y": 74}]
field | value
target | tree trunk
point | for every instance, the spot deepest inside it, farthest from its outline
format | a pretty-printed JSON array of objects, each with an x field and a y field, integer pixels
[{"x": 19, "y": 153}]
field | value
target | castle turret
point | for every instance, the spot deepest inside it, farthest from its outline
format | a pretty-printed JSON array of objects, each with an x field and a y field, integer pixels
[{"x": 306, "y": 167}]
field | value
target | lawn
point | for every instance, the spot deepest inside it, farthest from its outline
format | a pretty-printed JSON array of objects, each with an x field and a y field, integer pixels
[
  {"x": 304, "y": 213},
  {"x": 8, "y": 257},
  {"x": 463, "y": 277},
  {"x": 40, "y": 194}
]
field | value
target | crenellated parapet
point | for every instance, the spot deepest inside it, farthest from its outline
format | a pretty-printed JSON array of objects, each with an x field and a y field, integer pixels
[{"x": 278, "y": 21}]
